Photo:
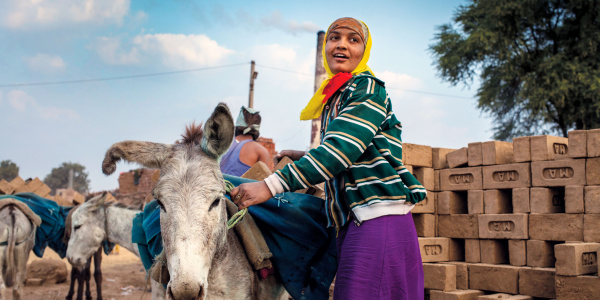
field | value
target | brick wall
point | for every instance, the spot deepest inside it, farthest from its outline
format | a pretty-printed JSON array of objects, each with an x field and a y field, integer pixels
[
  {"x": 270, "y": 145},
  {"x": 128, "y": 186}
]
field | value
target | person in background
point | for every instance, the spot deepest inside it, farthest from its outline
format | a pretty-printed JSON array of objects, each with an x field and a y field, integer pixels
[
  {"x": 369, "y": 193},
  {"x": 244, "y": 151}
]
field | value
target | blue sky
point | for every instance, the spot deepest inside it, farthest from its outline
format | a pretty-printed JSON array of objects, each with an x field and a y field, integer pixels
[{"x": 66, "y": 40}]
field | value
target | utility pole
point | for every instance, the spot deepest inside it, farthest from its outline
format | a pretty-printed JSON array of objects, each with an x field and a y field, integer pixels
[{"x": 253, "y": 76}]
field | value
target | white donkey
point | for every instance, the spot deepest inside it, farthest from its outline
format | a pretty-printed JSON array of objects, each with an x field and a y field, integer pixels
[
  {"x": 204, "y": 259},
  {"x": 97, "y": 220},
  {"x": 17, "y": 233}
]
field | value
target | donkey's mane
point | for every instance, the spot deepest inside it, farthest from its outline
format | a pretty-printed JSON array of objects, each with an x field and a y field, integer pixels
[{"x": 193, "y": 134}]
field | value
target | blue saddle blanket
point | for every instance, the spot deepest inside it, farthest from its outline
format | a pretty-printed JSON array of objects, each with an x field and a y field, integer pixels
[
  {"x": 295, "y": 229},
  {"x": 52, "y": 229}
]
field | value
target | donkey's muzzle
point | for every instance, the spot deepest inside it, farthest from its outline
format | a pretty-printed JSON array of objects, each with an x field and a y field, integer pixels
[{"x": 185, "y": 291}]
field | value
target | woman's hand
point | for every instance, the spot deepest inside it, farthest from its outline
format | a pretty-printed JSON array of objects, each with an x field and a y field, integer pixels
[
  {"x": 292, "y": 154},
  {"x": 252, "y": 193}
]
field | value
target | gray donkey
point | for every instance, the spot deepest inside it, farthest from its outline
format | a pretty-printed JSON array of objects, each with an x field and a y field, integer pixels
[{"x": 205, "y": 260}]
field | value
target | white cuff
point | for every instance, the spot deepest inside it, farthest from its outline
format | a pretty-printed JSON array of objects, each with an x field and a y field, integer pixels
[{"x": 274, "y": 185}]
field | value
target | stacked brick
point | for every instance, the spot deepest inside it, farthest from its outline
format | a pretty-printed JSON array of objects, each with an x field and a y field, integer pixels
[
  {"x": 36, "y": 186},
  {"x": 505, "y": 220},
  {"x": 270, "y": 146}
]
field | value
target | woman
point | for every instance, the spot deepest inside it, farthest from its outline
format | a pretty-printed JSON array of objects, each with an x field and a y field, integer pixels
[{"x": 369, "y": 193}]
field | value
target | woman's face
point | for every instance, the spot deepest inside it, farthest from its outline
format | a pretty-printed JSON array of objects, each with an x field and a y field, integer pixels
[{"x": 343, "y": 50}]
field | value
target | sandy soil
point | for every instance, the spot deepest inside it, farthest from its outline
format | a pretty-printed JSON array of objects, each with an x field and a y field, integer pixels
[{"x": 123, "y": 278}]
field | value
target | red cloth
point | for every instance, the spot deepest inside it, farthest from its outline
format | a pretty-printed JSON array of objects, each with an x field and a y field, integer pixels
[{"x": 335, "y": 83}]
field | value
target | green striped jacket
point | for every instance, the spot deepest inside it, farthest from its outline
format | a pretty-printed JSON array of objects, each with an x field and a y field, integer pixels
[{"x": 360, "y": 157}]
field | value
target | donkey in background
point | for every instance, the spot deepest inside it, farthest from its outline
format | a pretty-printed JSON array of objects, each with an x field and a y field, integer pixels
[
  {"x": 97, "y": 220},
  {"x": 17, "y": 233},
  {"x": 204, "y": 259}
]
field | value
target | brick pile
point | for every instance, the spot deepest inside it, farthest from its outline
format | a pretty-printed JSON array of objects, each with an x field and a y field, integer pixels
[
  {"x": 270, "y": 146},
  {"x": 38, "y": 187},
  {"x": 505, "y": 220}
]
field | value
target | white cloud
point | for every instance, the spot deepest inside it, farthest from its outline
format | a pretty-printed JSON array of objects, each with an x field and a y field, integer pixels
[
  {"x": 45, "y": 63},
  {"x": 396, "y": 84},
  {"x": 177, "y": 51},
  {"x": 276, "y": 20},
  {"x": 20, "y": 14},
  {"x": 300, "y": 65},
  {"x": 22, "y": 102}
]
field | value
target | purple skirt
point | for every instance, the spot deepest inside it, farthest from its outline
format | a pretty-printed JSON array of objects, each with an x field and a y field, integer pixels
[{"x": 380, "y": 259}]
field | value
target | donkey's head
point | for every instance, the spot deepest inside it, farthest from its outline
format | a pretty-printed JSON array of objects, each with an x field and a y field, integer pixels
[
  {"x": 87, "y": 230},
  {"x": 190, "y": 193}
]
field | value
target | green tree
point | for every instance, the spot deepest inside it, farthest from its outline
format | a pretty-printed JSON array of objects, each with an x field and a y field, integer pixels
[
  {"x": 538, "y": 62},
  {"x": 59, "y": 177},
  {"x": 8, "y": 170}
]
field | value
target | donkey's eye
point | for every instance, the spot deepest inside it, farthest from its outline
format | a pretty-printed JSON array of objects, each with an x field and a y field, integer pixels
[
  {"x": 214, "y": 204},
  {"x": 76, "y": 227},
  {"x": 162, "y": 206}
]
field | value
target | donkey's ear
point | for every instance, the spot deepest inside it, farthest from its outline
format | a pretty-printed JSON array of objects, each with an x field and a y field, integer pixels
[
  {"x": 147, "y": 154},
  {"x": 98, "y": 201},
  {"x": 218, "y": 132}
]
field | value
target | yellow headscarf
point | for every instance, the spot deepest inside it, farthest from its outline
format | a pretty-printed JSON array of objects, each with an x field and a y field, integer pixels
[{"x": 315, "y": 106}]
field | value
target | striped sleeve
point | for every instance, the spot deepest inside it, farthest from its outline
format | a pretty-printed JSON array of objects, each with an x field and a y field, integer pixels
[{"x": 346, "y": 139}]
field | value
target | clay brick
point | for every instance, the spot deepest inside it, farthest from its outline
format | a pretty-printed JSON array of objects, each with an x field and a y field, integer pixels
[
  {"x": 592, "y": 199},
  {"x": 436, "y": 180},
  {"x": 574, "y": 199},
  {"x": 458, "y": 226},
  {"x": 574, "y": 259},
  {"x": 475, "y": 154},
  {"x": 34, "y": 281},
  {"x": 540, "y": 254},
  {"x": 42, "y": 191},
  {"x": 496, "y": 278},
  {"x": 434, "y": 249},
  {"x": 522, "y": 149},
  {"x": 556, "y": 227},
  {"x": 472, "y": 251},
  {"x": 409, "y": 168},
  {"x": 592, "y": 171},
  {"x": 259, "y": 171},
  {"x": 580, "y": 287},
  {"x": 497, "y": 201},
  {"x": 506, "y": 176},
  {"x": 475, "y": 202},
  {"x": 462, "y": 274},
  {"x": 503, "y": 226},
  {"x": 457, "y": 250},
  {"x": 417, "y": 155},
  {"x": 503, "y": 296},
  {"x": 425, "y": 224},
  {"x": 497, "y": 153},
  {"x": 517, "y": 252},
  {"x": 425, "y": 177},
  {"x": 546, "y": 201},
  {"x": 494, "y": 251},
  {"x": 284, "y": 161},
  {"x": 520, "y": 200},
  {"x": 558, "y": 173},
  {"x": 439, "y": 160},
  {"x": 577, "y": 143},
  {"x": 458, "y": 158},
  {"x": 455, "y": 295},
  {"x": 5, "y": 187},
  {"x": 30, "y": 186},
  {"x": 537, "y": 282},
  {"x": 17, "y": 182},
  {"x": 547, "y": 147},
  {"x": 591, "y": 225},
  {"x": 440, "y": 276},
  {"x": 452, "y": 203},
  {"x": 593, "y": 143},
  {"x": 461, "y": 179},
  {"x": 427, "y": 206}
]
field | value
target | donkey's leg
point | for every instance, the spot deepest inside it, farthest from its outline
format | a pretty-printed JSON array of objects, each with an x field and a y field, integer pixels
[
  {"x": 158, "y": 291},
  {"x": 98, "y": 273},
  {"x": 80, "y": 282},
  {"x": 21, "y": 256},
  {"x": 87, "y": 277},
  {"x": 74, "y": 277},
  {"x": 2, "y": 262}
]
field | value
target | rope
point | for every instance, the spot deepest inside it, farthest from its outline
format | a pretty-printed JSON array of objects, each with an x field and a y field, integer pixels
[{"x": 238, "y": 216}]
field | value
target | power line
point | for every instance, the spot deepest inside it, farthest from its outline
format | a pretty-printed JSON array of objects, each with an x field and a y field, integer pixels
[
  {"x": 429, "y": 93},
  {"x": 118, "y": 77},
  {"x": 284, "y": 70}
]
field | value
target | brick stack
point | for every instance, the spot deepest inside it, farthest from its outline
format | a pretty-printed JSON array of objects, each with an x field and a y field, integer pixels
[
  {"x": 270, "y": 146},
  {"x": 507, "y": 220},
  {"x": 36, "y": 186}
]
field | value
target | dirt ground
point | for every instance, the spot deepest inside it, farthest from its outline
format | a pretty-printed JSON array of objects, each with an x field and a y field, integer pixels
[{"x": 123, "y": 278}]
